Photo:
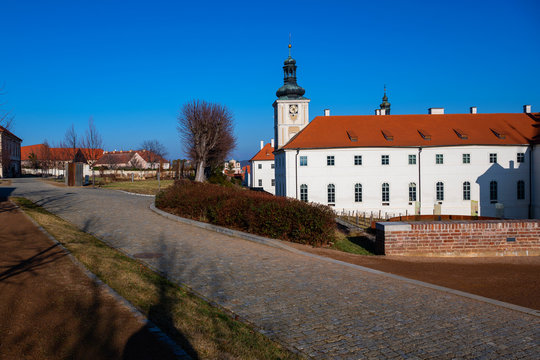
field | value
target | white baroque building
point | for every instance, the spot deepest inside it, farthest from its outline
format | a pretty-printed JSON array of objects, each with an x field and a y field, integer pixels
[
  {"x": 435, "y": 163},
  {"x": 262, "y": 175}
]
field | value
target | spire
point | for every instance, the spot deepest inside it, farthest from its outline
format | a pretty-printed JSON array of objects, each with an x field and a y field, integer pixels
[
  {"x": 290, "y": 89},
  {"x": 385, "y": 104}
]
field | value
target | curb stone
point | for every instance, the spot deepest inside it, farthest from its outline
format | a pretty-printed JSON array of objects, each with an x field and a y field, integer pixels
[
  {"x": 161, "y": 336},
  {"x": 279, "y": 244}
]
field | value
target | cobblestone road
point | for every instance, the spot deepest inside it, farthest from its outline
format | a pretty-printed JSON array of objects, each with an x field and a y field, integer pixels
[{"x": 325, "y": 310}]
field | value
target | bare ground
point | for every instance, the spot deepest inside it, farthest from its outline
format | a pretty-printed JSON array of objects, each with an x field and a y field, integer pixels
[{"x": 49, "y": 309}]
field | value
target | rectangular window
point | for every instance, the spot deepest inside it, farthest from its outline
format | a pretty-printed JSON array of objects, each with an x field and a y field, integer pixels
[
  {"x": 385, "y": 193},
  {"x": 357, "y": 159},
  {"x": 493, "y": 192},
  {"x": 331, "y": 194},
  {"x": 412, "y": 192},
  {"x": 412, "y": 159},
  {"x": 303, "y": 160},
  {"x": 272, "y": 166},
  {"x": 273, "y": 182},
  {"x": 521, "y": 190},
  {"x": 260, "y": 182},
  {"x": 493, "y": 158},
  {"x": 440, "y": 191},
  {"x": 439, "y": 159},
  {"x": 520, "y": 157},
  {"x": 260, "y": 166},
  {"x": 330, "y": 160},
  {"x": 385, "y": 159},
  {"x": 466, "y": 158},
  {"x": 303, "y": 193},
  {"x": 466, "y": 190}
]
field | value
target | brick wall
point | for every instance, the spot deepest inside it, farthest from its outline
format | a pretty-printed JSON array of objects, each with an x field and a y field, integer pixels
[{"x": 460, "y": 238}]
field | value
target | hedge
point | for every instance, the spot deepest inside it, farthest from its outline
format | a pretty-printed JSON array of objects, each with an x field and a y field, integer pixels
[{"x": 254, "y": 212}]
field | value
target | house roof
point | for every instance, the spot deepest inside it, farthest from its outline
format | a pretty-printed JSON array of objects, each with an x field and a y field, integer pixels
[
  {"x": 266, "y": 153},
  {"x": 58, "y": 154},
  {"x": 4, "y": 130},
  {"x": 116, "y": 157},
  {"x": 418, "y": 130}
]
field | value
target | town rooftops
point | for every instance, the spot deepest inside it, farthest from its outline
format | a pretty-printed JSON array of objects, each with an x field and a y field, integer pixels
[
  {"x": 57, "y": 154},
  {"x": 417, "y": 130},
  {"x": 266, "y": 153}
]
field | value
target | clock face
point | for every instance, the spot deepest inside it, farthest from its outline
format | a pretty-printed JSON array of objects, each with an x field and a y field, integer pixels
[{"x": 293, "y": 111}]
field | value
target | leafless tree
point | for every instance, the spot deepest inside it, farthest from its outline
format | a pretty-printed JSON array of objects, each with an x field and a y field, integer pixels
[
  {"x": 206, "y": 130},
  {"x": 6, "y": 117},
  {"x": 45, "y": 157},
  {"x": 71, "y": 139},
  {"x": 91, "y": 143},
  {"x": 155, "y": 151}
]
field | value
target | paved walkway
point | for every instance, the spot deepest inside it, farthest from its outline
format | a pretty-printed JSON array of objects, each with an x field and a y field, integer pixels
[{"x": 323, "y": 309}]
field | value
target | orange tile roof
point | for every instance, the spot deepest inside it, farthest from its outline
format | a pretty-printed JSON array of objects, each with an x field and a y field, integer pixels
[
  {"x": 266, "y": 153},
  {"x": 418, "y": 130},
  {"x": 59, "y": 154}
]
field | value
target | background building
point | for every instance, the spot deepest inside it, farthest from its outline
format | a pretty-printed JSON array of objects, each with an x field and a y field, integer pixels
[
  {"x": 10, "y": 154},
  {"x": 262, "y": 169}
]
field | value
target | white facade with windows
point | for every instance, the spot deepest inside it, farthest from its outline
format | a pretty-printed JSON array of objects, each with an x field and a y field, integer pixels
[
  {"x": 410, "y": 180},
  {"x": 262, "y": 175}
]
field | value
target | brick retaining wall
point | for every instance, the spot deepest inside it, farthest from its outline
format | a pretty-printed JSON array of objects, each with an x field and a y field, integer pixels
[{"x": 460, "y": 238}]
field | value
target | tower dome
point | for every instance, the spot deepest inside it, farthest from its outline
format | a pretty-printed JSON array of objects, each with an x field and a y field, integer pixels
[{"x": 290, "y": 89}]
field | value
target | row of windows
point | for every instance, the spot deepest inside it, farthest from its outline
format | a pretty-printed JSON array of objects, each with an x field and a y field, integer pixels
[
  {"x": 272, "y": 182},
  {"x": 259, "y": 166},
  {"x": 385, "y": 159},
  {"x": 439, "y": 192}
]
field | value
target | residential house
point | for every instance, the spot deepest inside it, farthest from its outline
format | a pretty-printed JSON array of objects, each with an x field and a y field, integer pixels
[{"x": 10, "y": 154}]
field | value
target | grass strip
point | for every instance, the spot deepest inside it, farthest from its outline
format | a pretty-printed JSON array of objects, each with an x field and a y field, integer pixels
[
  {"x": 350, "y": 244},
  {"x": 203, "y": 331},
  {"x": 149, "y": 187}
]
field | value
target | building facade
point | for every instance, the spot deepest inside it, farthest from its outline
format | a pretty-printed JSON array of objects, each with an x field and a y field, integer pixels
[
  {"x": 10, "y": 154},
  {"x": 263, "y": 169}
]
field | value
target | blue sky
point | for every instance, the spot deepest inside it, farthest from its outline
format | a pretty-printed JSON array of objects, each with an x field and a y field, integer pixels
[{"x": 132, "y": 64}]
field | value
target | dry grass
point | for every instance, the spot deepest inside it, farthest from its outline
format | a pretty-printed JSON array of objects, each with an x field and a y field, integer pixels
[
  {"x": 202, "y": 330},
  {"x": 149, "y": 187}
]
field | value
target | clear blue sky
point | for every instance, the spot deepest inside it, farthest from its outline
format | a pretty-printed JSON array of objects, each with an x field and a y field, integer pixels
[{"x": 132, "y": 64}]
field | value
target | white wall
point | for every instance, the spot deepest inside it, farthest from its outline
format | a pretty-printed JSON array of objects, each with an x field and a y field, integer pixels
[
  {"x": 398, "y": 174},
  {"x": 265, "y": 174},
  {"x": 536, "y": 181}
]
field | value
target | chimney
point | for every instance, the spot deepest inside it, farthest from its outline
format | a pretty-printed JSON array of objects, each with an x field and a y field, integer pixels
[
  {"x": 377, "y": 111},
  {"x": 272, "y": 143},
  {"x": 473, "y": 109},
  {"x": 527, "y": 109},
  {"x": 326, "y": 112},
  {"x": 262, "y": 144},
  {"x": 435, "y": 111}
]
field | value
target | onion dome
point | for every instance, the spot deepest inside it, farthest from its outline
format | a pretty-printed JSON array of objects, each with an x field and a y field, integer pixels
[{"x": 290, "y": 89}]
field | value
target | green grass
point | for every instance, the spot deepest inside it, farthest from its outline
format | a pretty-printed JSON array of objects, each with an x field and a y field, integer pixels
[
  {"x": 206, "y": 332},
  {"x": 351, "y": 244},
  {"x": 149, "y": 187}
]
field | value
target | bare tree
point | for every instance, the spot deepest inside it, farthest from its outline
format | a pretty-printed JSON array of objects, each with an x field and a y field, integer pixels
[
  {"x": 206, "y": 130},
  {"x": 92, "y": 142},
  {"x": 45, "y": 157},
  {"x": 155, "y": 151},
  {"x": 6, "y": 117},
  {"x": 71, "y": 139}
]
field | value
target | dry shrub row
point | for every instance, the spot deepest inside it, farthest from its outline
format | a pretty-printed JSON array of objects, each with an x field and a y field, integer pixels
[{"x": 253, "y": 212}]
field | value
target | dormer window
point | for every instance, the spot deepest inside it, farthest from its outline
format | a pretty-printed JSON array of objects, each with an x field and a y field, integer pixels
[{"x": 424, "y": 134}]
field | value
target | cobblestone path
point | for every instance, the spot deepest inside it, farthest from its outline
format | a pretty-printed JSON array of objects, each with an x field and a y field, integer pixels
[{"x": 325, "y": 310}]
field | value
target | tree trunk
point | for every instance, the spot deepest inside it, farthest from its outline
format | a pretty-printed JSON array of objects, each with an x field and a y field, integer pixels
[{"x": 199, "y": 176}]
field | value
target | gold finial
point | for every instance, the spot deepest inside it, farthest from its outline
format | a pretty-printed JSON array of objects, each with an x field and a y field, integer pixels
[{"x": 290, "y": 45}]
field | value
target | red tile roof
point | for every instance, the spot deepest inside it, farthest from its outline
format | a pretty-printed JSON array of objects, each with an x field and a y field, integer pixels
[
  {"x": 417, "y": 130},
  {"x": 59, "y": 154},
  {"x": 266, "y": 153}
]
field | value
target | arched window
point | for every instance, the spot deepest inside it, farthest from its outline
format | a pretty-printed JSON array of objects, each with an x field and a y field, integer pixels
[
  {"x": 412, "y": 191},
  {"x": 385, "y": 192},
  {"x": 303, "y": 193},
  {"x": 493, "y": 195},
  {"x": 521, "y": 190},
  {"x": 440, "y": 191},
  {"x": 466, "y": 190},
  {"x": 331, "y": 194},
  {"x": 358, "y": 192}
]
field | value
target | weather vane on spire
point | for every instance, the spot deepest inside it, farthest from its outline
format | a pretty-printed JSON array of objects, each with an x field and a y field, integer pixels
[{"x": 290, "y": 45}]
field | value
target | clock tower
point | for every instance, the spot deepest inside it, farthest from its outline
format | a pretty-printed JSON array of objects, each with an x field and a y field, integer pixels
[{"x": 291, "y": 109}]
